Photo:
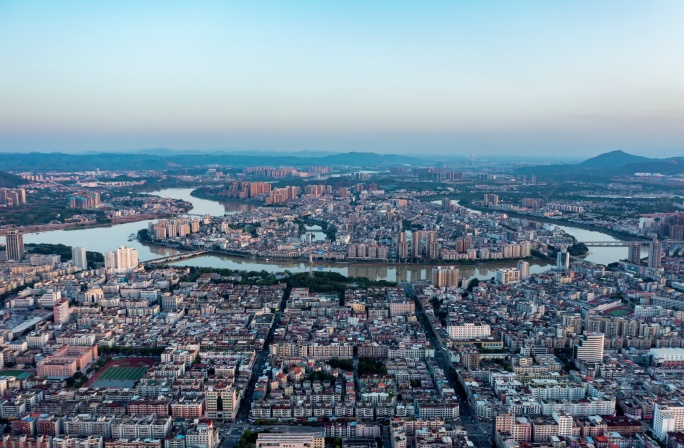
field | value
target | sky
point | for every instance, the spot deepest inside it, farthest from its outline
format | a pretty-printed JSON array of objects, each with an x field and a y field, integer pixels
[{"x": 440, "y": 77}]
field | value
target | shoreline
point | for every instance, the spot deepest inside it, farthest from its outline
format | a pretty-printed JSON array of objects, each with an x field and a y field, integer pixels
[
  {"x": 220, "y": 199},
  {"x": 41, "y": 228},
  {"x": 559, "y": 222},
  {"x": 506, "y": 261},
  {"x": 563, "y": 223}
]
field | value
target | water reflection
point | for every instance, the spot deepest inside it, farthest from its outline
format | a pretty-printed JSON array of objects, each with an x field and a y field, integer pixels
[
  {"x": 104, "y": 239},
  {"x": 379, "y": 271},
  {"x": 316, "y": 233},
  {"x": 205, "y": 206},
  {"x": 600, "y": 255}
]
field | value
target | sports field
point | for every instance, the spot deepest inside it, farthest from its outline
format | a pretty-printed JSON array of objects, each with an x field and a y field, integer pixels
[
  {"x": 21, "y": 374},
  {"x": 620, "y": 312},
  {"x": 121, "y": 373}
]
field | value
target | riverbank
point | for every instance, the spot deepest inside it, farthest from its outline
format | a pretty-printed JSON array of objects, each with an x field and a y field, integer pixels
[
  {"x": 202, "y": 193},
  {"x": 622, "y": 236},
  {"x": 83, "y": 226},
  {"x": 109, "y": 238},
  {"x": 343, "y": 263}
]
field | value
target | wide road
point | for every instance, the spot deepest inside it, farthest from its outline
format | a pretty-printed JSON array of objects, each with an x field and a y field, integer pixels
[
  {"x": 470, "y": 422},
  {"x": 231, "y": 435},
  {"x": 246, "y": 403}
]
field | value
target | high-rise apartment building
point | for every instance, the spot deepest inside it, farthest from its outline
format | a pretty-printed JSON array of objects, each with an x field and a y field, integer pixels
[
  {"x": 655, "y": 250},
  {"x": 431, "y": 245},
  {"x": 221, "y": 401},
  {"x": 524, "y": 268},
  {"x": 507, "y": 275},
  {"x": 445, "y": 276},
  {"x": 446, "y": 204},
  {"x": 78, "y": 257},
  {"x": 12, "y": 197},
  {"x": 61, "y": 312},
  {"x": 402, "y": 245},
  {"x": 416, "y": 244},
  {"x": 667, "y": 418},
  {"x": 424, "y": 244},
  {"x": 15, "y": 245},
  {"x": 634, "y": 252},
  {"x": 124, "y": 259},
  {"x": 110, "y": 260},
  {"x": 589, "y": 347},
  {"x": 246, "y": 189},
  {"x": 85, "y": 200},
  {"x": 491, "y": 199},
  {"x": 563, "y": 260}
]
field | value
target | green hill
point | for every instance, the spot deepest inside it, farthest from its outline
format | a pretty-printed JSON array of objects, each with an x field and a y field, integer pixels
[
  {"x": 8, "y": 180},
  {"x": 614, "y": 163}
]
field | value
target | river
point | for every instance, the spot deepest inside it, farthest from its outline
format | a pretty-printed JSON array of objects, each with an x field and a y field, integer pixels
[
  {"x": 103, "y": 239},
  {"x": 600, "y": 255}
]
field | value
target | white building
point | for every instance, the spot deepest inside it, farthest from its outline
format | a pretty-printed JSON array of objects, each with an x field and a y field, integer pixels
[
  {"x": 584, "y": 407},
  {"x": 549, "y": 389},
  {"x": 291, "y": 440},
  {"x": 667, "y": 419},
  {"x": 78, "y": 257},
  {"x": 443, "y": 409},
  {"x": 124, "y": 259},
  {"x": 110, "y": 260},
  {"x": 468, "y": 331},
  {"x": 647, "y": 310},
  {"x": 564, "y": 424},
  {"x": 667, "y": 356},
  {"x": 590, "y": 347},
  {"x": 507, "y": 275},
  {"x": 524, "y": 268}
]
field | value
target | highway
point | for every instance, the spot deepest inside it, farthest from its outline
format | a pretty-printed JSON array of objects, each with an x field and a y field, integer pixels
[{"x": 480, "y": 437}]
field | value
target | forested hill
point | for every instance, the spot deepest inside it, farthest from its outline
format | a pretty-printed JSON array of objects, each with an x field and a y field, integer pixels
[{"x": 8, "y": 180}]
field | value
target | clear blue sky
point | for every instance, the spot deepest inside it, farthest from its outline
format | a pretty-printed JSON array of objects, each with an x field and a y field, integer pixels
[{"x": 504, "y": 77}]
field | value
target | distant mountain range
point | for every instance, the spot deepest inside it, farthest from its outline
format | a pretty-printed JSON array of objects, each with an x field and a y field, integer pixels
[
  {"x": 615, "y": 163},
  {"x": 610, "y": 164},
  {"x": 168, "y": 152},
  {"x": 163, "y": 160}
]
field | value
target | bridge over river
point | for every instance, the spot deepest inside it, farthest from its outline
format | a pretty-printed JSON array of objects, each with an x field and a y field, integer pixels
[
  {"x": 177, "y": 257},
  {"x": 612, "y": 243}
]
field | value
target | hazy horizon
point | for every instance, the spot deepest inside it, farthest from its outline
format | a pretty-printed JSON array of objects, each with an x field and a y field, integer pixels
[
  {"x": 170, "y": 152},
  {"x": 532, "y": 78}
]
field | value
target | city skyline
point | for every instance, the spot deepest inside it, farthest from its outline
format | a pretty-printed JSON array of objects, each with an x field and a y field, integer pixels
[{"x": 445, "y": 78}]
